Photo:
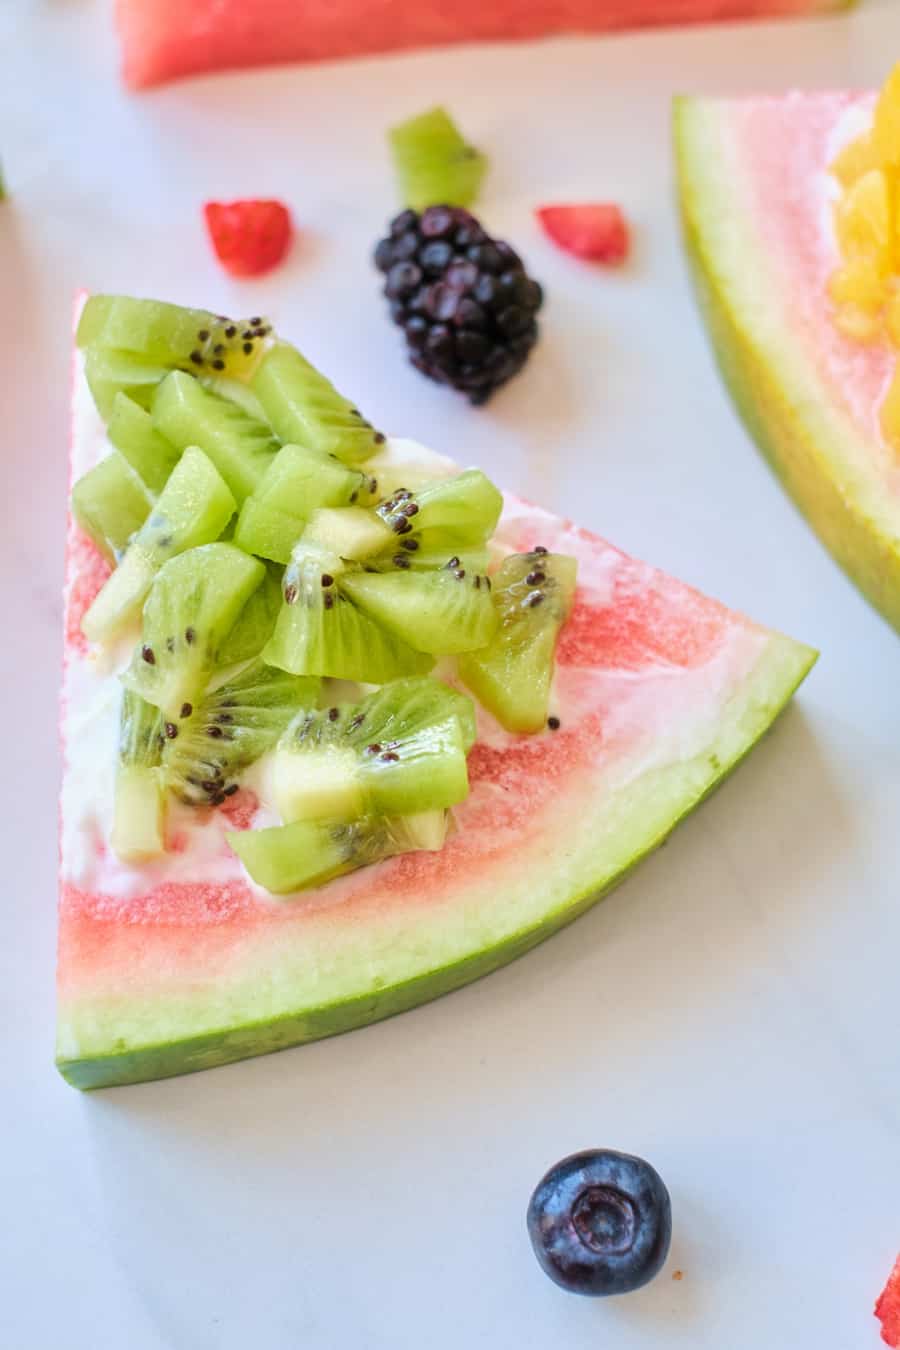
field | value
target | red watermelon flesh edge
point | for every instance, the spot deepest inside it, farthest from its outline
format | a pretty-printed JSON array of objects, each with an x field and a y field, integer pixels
[
  {"x": 164, "y": 39},
  {"x": 887, "y": 1308},
  {"x": 182, "y": 964},
  {"x": 757, "y": 201}
]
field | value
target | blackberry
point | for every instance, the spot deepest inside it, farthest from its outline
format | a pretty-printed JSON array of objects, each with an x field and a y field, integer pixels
[{"x": 464, "y": 300}]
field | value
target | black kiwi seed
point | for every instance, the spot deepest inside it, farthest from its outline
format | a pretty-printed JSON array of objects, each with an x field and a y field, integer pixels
[
  {"x": 246, "y": 334},
  {"x": 203, "y": 335},
  {"x": 553, "y": 723},
  {"x": 230, "y": 331},
  {"x": 379, "y": 438},
  {"x": 224, "y": 718},
  {"x": 218, "y": 799},
  {"x": 327, "y": 579},
  {"x": 216, "y": 733},
  {"x": 328, "y": 600},
  {"x": 373, "y": 749},
  {"x": 255, "y": 321},
  {"x": 401, "y": 525},
  {"x": 197, "y": 358},
  {"x": 488, "y": 582},
  {"x": 389, "y": 757},
  {"x": 535, "y": 578},
  {"x": 400, "y": 560},
  {"x": 410, "y": 509},
  {"x": 170, "y": 644},
  {"x": 218, "y": 364},
  {"x": 230, "y": 790},
  {"x": 333, "y": 714},
  {"x": 539, "y": 549},
  {"x": 409, "y": 544},
  {"x": 218, "y": 349},
  {"x": 478, "y": 583},
  {"x": 290, "y": 594},
  {"x": 454, "y": 562},
  {"x": 248, "y": 348},
  {"x": 373, "y": 485},
  {"x": 535, "y": 598},
  {"x": 354, "y": 497},
  {"x": 147, "y": 655},
  {"x": 209, "y": 786},
  {"x": 357, "y": 721},
  {"x": 187, "y": 709},
  {"x": 459, "y": 573},
  {"x": 171, "y": 730},
  {"x": 189, "y": 636}
]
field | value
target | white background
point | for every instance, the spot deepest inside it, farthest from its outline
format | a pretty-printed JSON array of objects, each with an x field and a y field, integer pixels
[{"x": 730, "y": 1012}]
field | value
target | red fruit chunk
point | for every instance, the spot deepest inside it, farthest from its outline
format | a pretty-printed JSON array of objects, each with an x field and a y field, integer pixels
[
  {"x": 249, "y": 237},
  {"x": 598, "y": 233},
  {"x": 887, "y": 1309}
]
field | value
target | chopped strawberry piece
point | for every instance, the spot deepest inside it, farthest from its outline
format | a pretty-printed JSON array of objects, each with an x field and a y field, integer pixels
[
  {"x": 249, "y": 237},
  {"x": 597, "y": 232},
  {"x": 887, "y": 1309}
]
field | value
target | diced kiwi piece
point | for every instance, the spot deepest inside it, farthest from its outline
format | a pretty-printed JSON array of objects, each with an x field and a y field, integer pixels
[
  {"x": 439, "y": 612},
  {"x": 162, "y": 334},
  {"x": 350, "y": 531},
  {"x": 320, "y": 632},
  {"x": 229, "y": 729},
  {"x": 192, "y": 606},
  {"x": 434, "y": 163},
  {"x": 131, "y": 431},
  {"x": 257, "y": 620},
  {"x": 241, "y": 448},
  {"x": 291, "y": 858},
  {"x": 400, "y": 750},
  {"x": 446, "y": 515},
  {"x": 512, "y": 676},
  {"x": 304, "y": 408},
  {"x": 194, "y": 508},
  {"x": 138, "y": 832},
  {"x": 297, "y": 481},
  {"x": 109, "y": 373},
  {"x": 111, "y": 504}
]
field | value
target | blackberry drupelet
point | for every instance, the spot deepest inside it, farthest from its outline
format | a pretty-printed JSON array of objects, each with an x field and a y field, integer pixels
[{"x": 464, "y": 300}]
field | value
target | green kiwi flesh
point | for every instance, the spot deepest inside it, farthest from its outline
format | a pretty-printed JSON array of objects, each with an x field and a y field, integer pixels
[
  {"x": 297, "y": 482},
  {"x": 512, "y": 676},
  {"x": 440, "y": 612},
  {"x": 151, "y": 456},
  {"x": 304, "y": 408},
  {"x": 111, "y": 503},
  {"x": 138, "y": 831},
  {"x": 193, "y": 604},
  {"x": 194, "y": 508},
  {"x": 434, "y": 163}
]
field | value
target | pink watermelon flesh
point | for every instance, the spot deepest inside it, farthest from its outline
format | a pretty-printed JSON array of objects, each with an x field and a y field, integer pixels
[
  {"x": 164, "y": 39},
  {"x": 755, "y": 195},
  {"x": 660, "y": 692}
]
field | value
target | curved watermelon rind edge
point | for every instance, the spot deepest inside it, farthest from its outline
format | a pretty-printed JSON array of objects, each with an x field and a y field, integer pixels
[
  {"x": 752, "y": 710},
  {"x": 804, "y": 448}
]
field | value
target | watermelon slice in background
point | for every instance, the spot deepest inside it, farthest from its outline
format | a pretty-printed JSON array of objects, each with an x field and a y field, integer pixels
[
  {"x": 170, "y": 968},
  {"x": 164, "y": 39},
  {"x": 755, "y": 197},
  {"x": 887, "y": 1308}
]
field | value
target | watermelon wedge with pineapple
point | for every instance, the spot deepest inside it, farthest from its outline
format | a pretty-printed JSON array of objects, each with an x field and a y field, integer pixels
[
  {"x": 165, "y": 39},
  {"x": 257, "y": 852},
  {"x": 795, "y": 248}
]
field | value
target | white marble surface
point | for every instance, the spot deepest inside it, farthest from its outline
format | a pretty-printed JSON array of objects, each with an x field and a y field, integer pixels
[{"x": 731, "y": 1012}]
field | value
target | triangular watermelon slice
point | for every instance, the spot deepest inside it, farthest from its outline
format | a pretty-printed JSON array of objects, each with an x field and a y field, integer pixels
[
  {"x": 163, "y": 39},
  {"x": 178, "y": 965},
  {"x": 756, "y": 200}
]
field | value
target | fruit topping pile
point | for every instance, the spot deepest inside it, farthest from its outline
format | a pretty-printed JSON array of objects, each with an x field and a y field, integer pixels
[
  {"x": 465, "y": 303},
  {"x": 865, "y": 287},
  {"x": 259, "y": 555}
]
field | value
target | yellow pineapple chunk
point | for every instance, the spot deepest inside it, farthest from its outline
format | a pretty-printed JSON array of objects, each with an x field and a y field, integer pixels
[
  {"x": 856, "y": 324},
  {"x": 863, "y": 224},
  {"x": 856, "y": 158},
  {"x": 886, "y": 126},
  {"x": 890, "y": 412},
  {"x": 860, "y": 284}
]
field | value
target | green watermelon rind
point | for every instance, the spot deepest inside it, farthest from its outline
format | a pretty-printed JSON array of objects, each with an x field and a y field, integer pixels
[
  {"x": 814, "y": 448},
  {"x": 631, "y": 824}
]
